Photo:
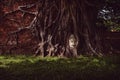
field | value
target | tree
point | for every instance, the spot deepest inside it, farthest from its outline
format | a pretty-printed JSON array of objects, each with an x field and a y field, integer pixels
[{"x": 56, "y": 24}]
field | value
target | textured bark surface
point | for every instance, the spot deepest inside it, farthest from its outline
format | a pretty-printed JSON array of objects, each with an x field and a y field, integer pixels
[{"x": 48, "y": 25}]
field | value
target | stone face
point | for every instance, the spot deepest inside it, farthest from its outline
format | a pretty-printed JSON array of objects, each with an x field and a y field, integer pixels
[{"x": 72, "y": 41}]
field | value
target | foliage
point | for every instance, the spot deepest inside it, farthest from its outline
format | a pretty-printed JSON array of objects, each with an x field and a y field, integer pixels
[
  {"x": 110, "y": 15},
  {"x": 54, "y": 68}
]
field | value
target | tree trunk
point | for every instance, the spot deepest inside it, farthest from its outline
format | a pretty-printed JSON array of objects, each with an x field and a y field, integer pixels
[
  {"x": 66, "y": 18},
  {"x": 64, "y": 27}
]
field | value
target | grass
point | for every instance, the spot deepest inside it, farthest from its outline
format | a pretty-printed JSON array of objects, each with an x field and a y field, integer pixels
[{"x": 22, "y": 67}]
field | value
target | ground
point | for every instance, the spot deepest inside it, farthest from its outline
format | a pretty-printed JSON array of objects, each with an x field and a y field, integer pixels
[{"x": 21, "y": 67}]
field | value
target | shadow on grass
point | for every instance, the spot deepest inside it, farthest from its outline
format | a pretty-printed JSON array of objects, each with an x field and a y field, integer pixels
[{"x": 83, "y": 68}]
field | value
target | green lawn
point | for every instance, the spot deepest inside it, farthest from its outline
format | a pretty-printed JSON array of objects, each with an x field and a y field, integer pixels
[{"x": 52, "y": 68}]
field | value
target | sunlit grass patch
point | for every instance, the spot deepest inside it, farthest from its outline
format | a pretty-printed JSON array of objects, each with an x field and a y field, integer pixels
[{"x": 54, "y": 68}]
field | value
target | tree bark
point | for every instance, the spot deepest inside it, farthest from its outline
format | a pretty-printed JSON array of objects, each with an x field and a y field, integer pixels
[
  {"x": 66, "y": 18},
  {"x": 56, "y": 21}
]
